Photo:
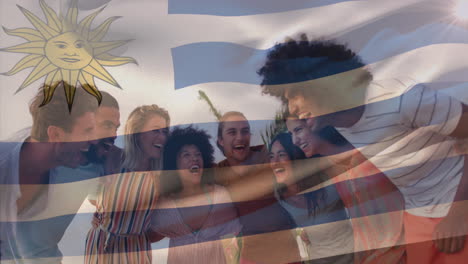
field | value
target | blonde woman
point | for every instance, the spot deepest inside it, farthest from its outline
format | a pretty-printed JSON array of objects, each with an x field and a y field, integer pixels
[{"x": 124, "y": 207}]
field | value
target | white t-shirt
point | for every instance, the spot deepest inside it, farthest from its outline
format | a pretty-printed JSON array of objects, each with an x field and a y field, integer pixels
[
  {"x": 45, "y": 221},
  {"x": 404, "y": 132},
  {"x": 9, "y": 193}
]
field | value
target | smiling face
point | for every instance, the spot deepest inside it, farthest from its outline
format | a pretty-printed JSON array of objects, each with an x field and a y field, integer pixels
[
  {"x": 69, "y": 51},
  {"x": 235, "y": 139},
  {"x": 280, "y": 163},
  {"x": 107, "y": 123},
  {"x": 303, "y": 137},
  {"x": 304, "y": 108},
  {"x": 190, "y": 165},
  {"x": 297, "y": 103},
  {"x": 153, "y": 137},
  {"x": 322, "y": 100},
  {"x": 72, "y": 146}
]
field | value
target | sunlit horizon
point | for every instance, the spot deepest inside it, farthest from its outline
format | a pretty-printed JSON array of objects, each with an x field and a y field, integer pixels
[{"x": 461, "y": 10}]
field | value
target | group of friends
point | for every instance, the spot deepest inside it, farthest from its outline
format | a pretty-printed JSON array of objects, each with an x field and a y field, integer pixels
[{"x": 357, "y": 171}]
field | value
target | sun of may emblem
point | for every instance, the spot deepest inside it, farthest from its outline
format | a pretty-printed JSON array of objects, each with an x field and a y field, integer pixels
[{"x": 64, "y": 50}]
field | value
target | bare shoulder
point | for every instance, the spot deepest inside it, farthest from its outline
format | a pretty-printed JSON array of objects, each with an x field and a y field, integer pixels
[{"x": 222, "y": 194}]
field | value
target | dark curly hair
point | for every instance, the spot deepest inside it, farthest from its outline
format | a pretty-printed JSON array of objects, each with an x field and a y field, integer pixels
[
  {"x": 303, "y": 60},
  {"x": 180, "y": 137}
]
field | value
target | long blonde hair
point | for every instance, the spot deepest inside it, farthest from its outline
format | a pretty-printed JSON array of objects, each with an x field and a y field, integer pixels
[{"x": 134, "y": 126}]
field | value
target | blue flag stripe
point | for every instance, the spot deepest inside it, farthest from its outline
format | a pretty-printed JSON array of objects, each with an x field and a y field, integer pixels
[
  {"x": 207, "y": 62},
  {"x": 243, "y": 7}
]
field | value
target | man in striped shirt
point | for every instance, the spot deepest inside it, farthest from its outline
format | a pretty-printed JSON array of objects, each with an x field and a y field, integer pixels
[{"x": 404, "y": 128}]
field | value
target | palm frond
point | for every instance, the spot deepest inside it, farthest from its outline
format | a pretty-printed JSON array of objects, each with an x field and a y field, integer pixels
[
  {"x": 274, "y": 128},
  {"x": 203, "y": 96}
]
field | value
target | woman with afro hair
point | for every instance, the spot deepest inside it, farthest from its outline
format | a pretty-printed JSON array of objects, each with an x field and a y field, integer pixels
[{"x": 197, "y": 215}]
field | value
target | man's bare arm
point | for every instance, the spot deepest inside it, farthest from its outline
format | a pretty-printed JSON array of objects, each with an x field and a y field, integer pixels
[{"x": 461, "y": 131}]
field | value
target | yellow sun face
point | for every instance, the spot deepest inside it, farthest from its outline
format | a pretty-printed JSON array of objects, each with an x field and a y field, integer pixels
[
  {"x": 64, "y": 50},
  {"x": 69, "y": 51}
]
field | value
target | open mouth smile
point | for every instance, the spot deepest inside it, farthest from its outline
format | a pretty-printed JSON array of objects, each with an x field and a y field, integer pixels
[
  {"x": 304, "y": 115},
  {"x": 279, "y": 170},
  {"x": 239, "y": 147},
  {"x": 158, "y": 146},
  {"x": 195, "y": 169}
]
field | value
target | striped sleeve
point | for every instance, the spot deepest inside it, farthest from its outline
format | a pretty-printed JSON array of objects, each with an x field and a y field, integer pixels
[{"x": 423, "y": 107}]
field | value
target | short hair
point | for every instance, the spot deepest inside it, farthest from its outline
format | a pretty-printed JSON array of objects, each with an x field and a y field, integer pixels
[
  {"x": 57, "y": 112},
  {"x": 222, "y": 122},
  {"x": 180, "y": 137},
  {"x": 135, "y": 122},
  {"x": 302, "y": 60},
  {"x": 108, "y": 100}
]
